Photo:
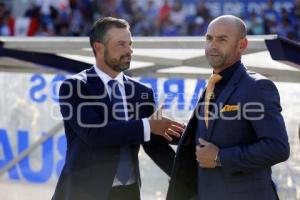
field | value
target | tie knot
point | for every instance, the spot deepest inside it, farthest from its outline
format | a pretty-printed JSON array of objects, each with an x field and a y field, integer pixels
[
  {"x": 112, "y": 83},
  {"x": 214, "y": 78}
]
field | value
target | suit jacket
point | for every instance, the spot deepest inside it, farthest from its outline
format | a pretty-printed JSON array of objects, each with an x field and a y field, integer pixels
[
  {"x": 248, "y": 146},
  {"x": 94, "y": 138}
]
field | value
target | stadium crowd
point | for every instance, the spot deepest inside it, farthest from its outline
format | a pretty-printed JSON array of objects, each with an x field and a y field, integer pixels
[{"x": 75, "y": 17}]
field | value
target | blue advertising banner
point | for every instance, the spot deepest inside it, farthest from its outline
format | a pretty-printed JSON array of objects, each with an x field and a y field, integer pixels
[{"x": 241, "y": 7}]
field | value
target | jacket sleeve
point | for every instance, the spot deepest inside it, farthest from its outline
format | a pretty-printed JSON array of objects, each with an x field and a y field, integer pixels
[
  {"x": 271, "y": 145},
  {"x": 89, "y": 119},
  {"x": 158, "y": 149}
]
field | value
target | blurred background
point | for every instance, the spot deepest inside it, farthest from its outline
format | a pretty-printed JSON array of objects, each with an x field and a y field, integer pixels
[{"x": 146, "y": 17}]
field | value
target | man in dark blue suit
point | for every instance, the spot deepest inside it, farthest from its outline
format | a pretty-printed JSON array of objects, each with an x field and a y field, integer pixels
[
  {"x": 107, "y": 115},
  {"x": 236, "y": 133}
]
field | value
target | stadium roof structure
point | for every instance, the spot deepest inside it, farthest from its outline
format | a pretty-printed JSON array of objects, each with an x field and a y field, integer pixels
[{"x": 176, "y": 57}]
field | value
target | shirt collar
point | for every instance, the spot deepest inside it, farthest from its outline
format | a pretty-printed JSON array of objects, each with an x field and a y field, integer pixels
[
  {"x": 105, "y": 77},
  {"x": 228, "y": 72}
]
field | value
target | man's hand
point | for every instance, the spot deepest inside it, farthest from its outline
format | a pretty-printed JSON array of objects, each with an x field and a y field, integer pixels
[
  {"x": 165, "y": 127},
  {"x": 206, "y": 153}
]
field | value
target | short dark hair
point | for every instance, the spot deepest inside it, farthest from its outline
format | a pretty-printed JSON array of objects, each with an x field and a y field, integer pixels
[{"x": 101, "y": 27}]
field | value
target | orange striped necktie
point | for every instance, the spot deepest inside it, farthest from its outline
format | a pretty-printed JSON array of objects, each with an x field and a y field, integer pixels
[{"x": 214, "y": 78}]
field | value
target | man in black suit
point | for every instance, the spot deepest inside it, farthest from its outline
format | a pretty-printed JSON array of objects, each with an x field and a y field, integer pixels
[
  {"x": 107, "y": 115},
  {"x": 236, "y": 133}
]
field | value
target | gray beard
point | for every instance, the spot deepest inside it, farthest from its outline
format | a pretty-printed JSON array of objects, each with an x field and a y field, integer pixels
[{"x": 115, "y": 64}]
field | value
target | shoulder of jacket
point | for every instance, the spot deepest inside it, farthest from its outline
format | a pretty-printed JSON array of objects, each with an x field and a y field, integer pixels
[{"x": 138, "y": 84}]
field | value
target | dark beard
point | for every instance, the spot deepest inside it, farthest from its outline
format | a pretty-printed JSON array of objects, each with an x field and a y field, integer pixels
[{"x": 116, "y": 64}]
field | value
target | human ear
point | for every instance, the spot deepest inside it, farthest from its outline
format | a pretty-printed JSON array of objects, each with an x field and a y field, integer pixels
[
  {"x": 97, "y": 46},
  {"x": 243, "y": 44}
]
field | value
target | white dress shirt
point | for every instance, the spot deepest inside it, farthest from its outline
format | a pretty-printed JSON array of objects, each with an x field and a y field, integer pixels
[{"x": 105, "y": 79}]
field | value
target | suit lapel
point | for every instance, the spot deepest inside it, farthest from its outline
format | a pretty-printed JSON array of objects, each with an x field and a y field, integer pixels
[
  {"x": 225, "y": 94},
  {"x": 130, "y": 95},
  {"x": 131, "y": 99},
  {"x": 189, "y": 128},
  {"x": 97, "y": 88}
]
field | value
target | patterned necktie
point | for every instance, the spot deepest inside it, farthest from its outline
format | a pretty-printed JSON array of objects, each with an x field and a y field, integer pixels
[
  {"x": 125, "y": 161},
  {"x": 214, "y": 78}
]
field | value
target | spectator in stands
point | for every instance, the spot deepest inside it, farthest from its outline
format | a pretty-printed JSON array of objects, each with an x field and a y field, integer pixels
[
  {"x": 150, "y": 20},
  {"x": 198, "y": 27},
  {"x": 255, "y": 23},
  {"x": 164, "y": 13},
  {"x": 285, "y": 27},
  {"x": 4, "y": 28},
  {"x": 76, "y": 20},
  {"x": 137, "y": 17},
  {"x": 203, "y": 11},
  {"x": 271, "y": 18},
  {"x": 85, "y": 7},
  {"x": 294, "y": 16},
  {"x": 43, "y": 30},
  {"x": 34, "y": 17},
  {"x": 197, "y": 24},
  {"x": 168, "y": 29},
  {"x": 177, "y": 17}
]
